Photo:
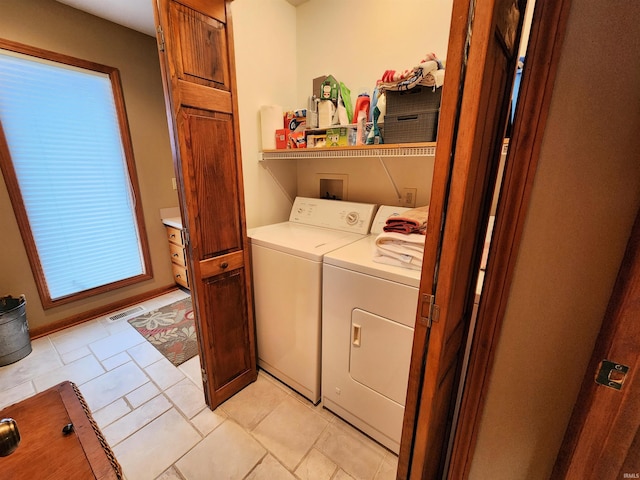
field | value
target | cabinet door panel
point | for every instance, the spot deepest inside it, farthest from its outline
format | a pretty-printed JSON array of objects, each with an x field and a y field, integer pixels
[
  {"x": 212, "y": 175},
  {"x": 203, "y": 56},
  {"x": 229, "y": 332}
]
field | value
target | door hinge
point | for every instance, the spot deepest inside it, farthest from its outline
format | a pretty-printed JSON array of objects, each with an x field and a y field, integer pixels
[
  {"x": 185, "y": 236},
  {"x": 204, "y": 376},
  {"x": 611, "y": 374},
  {"x": 160, "y": 38},
  {"x": 429, "y": 311}
]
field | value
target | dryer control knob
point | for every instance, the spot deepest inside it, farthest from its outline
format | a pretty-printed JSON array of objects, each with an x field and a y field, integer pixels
[{"x": 352, "y": 218}]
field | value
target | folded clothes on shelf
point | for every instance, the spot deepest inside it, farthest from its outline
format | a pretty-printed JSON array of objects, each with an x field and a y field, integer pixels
[{"x": 429, "y": 72}]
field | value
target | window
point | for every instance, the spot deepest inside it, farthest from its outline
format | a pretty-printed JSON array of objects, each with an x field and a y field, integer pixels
[{"x": 67, "y": 160}]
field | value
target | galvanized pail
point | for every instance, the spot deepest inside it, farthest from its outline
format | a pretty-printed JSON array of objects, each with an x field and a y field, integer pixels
[{"x": 15, "y": 343}]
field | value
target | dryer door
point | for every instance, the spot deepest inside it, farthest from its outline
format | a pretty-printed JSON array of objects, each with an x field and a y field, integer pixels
[{"x": 380, "y": 354}]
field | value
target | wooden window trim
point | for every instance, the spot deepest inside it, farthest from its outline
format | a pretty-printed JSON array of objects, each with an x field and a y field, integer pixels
[{"x": 15, "y": 195}]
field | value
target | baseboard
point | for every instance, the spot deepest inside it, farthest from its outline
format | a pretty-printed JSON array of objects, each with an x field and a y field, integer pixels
[{"x": 98, "y": 312}]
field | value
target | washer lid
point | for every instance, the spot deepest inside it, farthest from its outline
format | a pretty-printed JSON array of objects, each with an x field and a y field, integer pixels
[{"x": 301, "y": 240}]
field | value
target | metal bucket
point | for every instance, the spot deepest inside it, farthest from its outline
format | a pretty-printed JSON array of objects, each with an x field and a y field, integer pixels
[{"x": 15, "y": 343}]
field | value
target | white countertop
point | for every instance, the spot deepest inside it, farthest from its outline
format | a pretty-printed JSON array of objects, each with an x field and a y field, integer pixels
[{"x": 175, "y": 222}]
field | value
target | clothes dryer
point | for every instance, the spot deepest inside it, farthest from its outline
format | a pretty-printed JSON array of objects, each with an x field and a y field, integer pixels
[
  {"x": 368, "y": 314},
  {"x": 368, "y": 311},
  {"x": 287, "y": 283}
]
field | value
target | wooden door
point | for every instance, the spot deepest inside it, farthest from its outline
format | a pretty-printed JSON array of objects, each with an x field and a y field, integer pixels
[
  {"x": 195, "y": 42},
  {"x": 482, "y": 56},
  {"x": 543, "y": 55},
  {"x": 602, "y": 440}
]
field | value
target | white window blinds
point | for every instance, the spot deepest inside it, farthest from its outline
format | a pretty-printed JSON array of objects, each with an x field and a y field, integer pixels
[{"x": 61, "y": 126}]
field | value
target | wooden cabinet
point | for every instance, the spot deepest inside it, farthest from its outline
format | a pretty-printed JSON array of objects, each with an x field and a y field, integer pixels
[
  {"x": 45, "y": 452},
  {"x": 178, "y": 255}
]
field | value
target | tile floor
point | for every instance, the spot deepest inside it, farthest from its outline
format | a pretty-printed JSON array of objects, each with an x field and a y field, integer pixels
[{"x": 154, "y": 416}]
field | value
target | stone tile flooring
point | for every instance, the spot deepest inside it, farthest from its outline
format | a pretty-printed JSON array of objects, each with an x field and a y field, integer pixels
[{"x": 154, "y": 416}]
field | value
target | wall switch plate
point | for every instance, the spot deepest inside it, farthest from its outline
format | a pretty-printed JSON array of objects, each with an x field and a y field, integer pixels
[
  {"x": 174, "y": 184},
  {"x": 409, "y": 197}
]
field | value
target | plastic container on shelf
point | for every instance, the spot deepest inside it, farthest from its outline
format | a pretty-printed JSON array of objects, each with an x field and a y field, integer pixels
[
  {"x": 361, "y": 132},
  {"x": 419, "y": 99},
  {"x": 363, "y": 103},
  {"x": 412, "y": 127},
  {"x": 412, "y": 115}
]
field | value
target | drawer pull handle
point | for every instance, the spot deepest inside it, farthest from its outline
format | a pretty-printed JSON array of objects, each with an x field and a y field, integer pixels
[
  {"x": 175, "y": 255},
  {"x": 224, "y": 265},
  {"x": 173, "y": 235},
  {"x": 178, "y": 275}
]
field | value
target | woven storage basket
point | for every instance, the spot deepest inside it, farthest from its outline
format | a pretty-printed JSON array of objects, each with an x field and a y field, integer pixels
[
  {"x": 412, "y": 127},
  {"x": 416, "y": 100}
]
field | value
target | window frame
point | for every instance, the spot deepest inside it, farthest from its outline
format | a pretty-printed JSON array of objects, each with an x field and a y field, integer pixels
[{"x": 11, "y": 180}]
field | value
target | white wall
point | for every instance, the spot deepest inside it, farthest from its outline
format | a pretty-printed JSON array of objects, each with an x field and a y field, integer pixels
[
  {"x": 280, "y": 49},
  {"x": 265, "y": 52},
  {"x": 357, "y": 40},
  {"x": 583, "y": 203}
]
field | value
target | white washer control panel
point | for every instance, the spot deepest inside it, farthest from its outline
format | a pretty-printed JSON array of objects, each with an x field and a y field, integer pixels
[{"x": 345, "y": 216}]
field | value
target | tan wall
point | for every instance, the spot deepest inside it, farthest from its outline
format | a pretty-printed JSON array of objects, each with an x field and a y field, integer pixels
[
  {"x": 585, "y": 198},
  {"x": 54, "y": 26}
]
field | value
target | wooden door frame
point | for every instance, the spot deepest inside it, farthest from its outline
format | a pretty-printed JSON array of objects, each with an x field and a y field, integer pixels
[
  {"x": 474, "y": 111},
  {"x": 446, "y": 138},
  {"x": 542, "y": 59}
]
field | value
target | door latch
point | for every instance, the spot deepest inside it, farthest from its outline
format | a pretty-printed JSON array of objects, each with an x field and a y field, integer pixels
[{"x": 611, "y": 374}]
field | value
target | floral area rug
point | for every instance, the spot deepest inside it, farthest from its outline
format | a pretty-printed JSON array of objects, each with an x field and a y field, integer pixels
[{"x": 171, "y": 330}]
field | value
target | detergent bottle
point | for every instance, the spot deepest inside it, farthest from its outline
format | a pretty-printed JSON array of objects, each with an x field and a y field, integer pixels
[{"x": 363, "y": 103}]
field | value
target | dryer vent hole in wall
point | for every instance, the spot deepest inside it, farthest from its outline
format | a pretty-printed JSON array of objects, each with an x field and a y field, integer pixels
[
  {"x": 332, "y": 186},
  {"x": 331, "y": 189},
  {"x": 125, "y": 314}
]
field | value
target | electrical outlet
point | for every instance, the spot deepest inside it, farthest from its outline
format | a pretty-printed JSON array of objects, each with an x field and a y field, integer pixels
[{"x": 409, "y": 197}]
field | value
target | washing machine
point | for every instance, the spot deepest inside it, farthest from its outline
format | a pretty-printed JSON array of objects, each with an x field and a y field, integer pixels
[
  {"x": 287, "y": 284},
  {"x": 368, "y": 314}
]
